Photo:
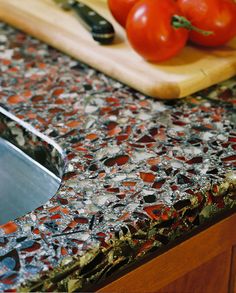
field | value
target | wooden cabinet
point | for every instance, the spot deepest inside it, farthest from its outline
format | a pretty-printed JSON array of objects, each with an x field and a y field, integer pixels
[
  {"x": 209, "y": 277},
  {"x": 232, "y": 280},
  {"x": 205, "y": 263}
]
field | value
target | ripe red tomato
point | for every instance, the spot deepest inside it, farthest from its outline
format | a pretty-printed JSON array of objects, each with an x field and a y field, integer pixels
[
  {"x": 150, "y": 31},
  {"x": 120, "y": 9},
  {"x": 217, "y": 16}
]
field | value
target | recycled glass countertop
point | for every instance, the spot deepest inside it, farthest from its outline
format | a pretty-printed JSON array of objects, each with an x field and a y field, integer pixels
[{"x": 137, "y": 173}]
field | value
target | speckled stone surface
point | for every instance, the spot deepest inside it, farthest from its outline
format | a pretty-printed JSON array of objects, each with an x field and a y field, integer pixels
[{"x": 137, "y": 172}]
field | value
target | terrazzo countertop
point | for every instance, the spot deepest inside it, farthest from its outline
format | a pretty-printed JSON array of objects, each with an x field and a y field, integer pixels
[{"x": 137, "y": 173}]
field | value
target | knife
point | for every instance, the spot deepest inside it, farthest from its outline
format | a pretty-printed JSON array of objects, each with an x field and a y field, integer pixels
[{"x": 101, "y": 29}]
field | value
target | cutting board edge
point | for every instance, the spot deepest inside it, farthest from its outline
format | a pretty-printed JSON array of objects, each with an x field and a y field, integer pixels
[
  {"x": 162, "y": 89},
  {"x": 157, "y": 87},
  {"x": 211, "y": 80}
]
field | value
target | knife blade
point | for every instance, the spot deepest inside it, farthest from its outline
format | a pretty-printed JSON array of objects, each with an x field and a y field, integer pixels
[{"x": 101, "y": 29}]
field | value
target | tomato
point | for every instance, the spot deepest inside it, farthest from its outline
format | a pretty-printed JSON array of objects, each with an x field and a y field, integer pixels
[
  {"x": 150, "y": 31},
  {"x": 120, "y": 9},
  {"x": 217, "y": 16}
]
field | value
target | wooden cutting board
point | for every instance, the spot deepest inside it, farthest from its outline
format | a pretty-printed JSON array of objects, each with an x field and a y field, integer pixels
[{"x": 193, "y": 70}]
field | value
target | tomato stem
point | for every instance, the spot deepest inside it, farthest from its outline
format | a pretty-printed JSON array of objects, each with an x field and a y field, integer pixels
[{"x": 182, "y": 22}]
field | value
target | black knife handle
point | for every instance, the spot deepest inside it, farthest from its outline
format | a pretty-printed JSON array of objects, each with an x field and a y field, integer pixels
[{"x": 102, "y": 30}]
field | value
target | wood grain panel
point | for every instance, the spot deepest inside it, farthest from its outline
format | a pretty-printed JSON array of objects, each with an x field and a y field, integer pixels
[
  {"x": 212, "y": 276},
  {"x": 190, "y": 71},
  {"x": 178, "y": 261},
  {"x": 232, "y": 282}
]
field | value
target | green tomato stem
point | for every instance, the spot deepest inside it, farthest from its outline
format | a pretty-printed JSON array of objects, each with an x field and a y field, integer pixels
[{"x": 182, "y": 22}]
